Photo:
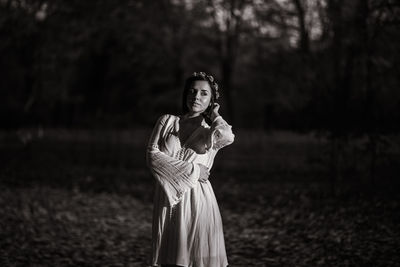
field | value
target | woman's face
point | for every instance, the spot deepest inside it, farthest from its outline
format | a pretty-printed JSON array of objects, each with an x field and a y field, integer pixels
[{"x": 198, "y": 97}]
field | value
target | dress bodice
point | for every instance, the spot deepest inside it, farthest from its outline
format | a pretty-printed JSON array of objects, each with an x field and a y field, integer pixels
[
  {"x": 195, "y": 149},
  {"x": 176, "y": 165}
]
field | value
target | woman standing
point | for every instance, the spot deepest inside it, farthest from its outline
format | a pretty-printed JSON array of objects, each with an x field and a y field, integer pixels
[{"x": 187, "y": 225}]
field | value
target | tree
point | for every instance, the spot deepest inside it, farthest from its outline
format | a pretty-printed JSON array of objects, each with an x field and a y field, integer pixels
[{"x": 228, "y": 18}]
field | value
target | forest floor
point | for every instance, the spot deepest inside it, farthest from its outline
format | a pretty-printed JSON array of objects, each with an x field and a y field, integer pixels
[{"x": 76, "y": 204}]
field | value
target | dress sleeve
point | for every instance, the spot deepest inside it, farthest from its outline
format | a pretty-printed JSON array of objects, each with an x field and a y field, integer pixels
[
  {"x": 175, "y": 176},
  {"x": 220, "y": 134}
]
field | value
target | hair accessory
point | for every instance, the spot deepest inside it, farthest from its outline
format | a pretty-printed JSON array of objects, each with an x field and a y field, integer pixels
[{"x": 210, "y": 80}]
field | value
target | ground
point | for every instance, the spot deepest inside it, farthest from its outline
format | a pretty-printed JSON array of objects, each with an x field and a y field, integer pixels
[{"x": 88, "y": 202}]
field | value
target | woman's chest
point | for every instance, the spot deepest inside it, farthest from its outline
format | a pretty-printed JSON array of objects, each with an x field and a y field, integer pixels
[{"x": 195, "y": 141}]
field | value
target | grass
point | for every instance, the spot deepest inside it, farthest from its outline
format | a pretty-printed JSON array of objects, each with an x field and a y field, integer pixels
[{"x": 85, "y": 198}]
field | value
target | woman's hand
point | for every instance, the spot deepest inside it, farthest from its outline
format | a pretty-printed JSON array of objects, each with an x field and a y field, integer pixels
[
  {"x": 214, "y": 112},
  {"x": 204, "y": 173}
]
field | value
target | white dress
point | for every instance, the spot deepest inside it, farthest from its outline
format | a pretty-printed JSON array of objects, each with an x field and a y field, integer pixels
[{"x": 187, "y": 226}]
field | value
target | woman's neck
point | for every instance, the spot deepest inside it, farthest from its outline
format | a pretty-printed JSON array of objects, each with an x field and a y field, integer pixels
[
  {"x": 191, "y": 115},
  {"x": 194, "y": 118}
]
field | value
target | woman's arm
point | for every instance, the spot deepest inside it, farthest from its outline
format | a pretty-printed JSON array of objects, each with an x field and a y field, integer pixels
[{"x": 175, "y": 176}]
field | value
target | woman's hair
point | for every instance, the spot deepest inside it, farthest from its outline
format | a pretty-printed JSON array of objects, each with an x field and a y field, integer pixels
[{"x": 200, "y": 76}]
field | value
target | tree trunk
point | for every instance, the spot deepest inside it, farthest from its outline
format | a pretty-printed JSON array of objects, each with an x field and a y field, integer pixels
[
  {"x": 370, "y": 94},
  {"x": 304, "y": 36},
  {"x": 226, "y": 66}
]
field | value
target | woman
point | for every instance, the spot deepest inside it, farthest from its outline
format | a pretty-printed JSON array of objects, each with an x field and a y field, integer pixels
[{"x": 187, "y": 225}]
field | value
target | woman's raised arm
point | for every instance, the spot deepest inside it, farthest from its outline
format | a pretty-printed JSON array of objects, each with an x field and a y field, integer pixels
[{"x": 220, "y": 134}]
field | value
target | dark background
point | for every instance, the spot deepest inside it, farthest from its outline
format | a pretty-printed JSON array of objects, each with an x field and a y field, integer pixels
[
  {"x": 310, "y": 87},
  {"x": 294, "y": 64}
]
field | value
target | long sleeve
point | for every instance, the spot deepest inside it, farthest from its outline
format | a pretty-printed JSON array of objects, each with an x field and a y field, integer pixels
[
  {"x": 175, "y": 176},
  {"x": 220, "y": 134}
]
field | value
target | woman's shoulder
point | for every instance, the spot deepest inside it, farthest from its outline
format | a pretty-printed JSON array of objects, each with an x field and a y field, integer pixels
[
  {"x": 163, "y": 119},
  {"x": 168, "y": 116}
]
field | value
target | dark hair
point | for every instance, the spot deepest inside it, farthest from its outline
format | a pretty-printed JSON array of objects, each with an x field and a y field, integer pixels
[{"x": 200, "y": 76}]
